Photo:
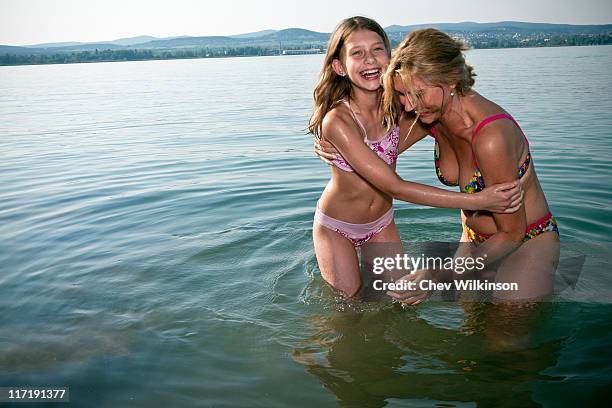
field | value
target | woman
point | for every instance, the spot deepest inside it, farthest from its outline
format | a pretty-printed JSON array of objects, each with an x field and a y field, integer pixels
[
  {"x": 356, "y": 206},
  {"x": 477, "y": 143}
]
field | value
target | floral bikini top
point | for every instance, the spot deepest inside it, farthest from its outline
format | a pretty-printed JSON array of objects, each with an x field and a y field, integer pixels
[
  {"x": 476, "y": 183},
  {"x": 385, "y": 147}
]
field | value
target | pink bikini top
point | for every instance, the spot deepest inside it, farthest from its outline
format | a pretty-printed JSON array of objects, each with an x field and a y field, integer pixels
[{"x": 385, "y": 147}]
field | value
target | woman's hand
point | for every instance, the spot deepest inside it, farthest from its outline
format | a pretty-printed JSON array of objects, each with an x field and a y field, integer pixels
[
  {"x": 504, "y": 198},
  {"x": 416, "y": 296},
  {"x": 325, "y": 150}
]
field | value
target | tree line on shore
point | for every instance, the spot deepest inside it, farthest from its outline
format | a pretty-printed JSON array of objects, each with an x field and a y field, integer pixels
[{"x": 103, "y": 55}]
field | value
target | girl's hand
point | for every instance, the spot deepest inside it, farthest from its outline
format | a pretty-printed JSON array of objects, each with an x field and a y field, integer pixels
[
  {"x": 416, "y": 296},
  {"x": 325, "y": 150},
  {"x": 504, "y": 198}
]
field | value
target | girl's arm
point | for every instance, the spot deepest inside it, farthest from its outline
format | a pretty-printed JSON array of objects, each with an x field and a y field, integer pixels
[
  {"x": 327, "y": 152},
  {"x": 410, "y": 132},
  {"x": 346, "y": 137}
]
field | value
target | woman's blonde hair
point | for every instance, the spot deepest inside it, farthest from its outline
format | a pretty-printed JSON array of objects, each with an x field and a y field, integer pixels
[
  {"x": 332, "y": 88},
  {"x": 431, "y": 56}
]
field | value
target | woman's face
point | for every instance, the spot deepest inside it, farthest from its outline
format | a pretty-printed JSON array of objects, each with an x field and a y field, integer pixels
[
  {"x": 365, "y": 59},
  {"x": 424, "y": 99}
]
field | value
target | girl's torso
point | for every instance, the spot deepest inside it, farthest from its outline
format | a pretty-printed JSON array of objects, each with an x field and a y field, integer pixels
[{"x": 349, "y": 197}]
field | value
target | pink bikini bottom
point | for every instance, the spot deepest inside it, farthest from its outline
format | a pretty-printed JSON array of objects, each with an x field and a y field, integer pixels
[{"x": 358, "y": 234}]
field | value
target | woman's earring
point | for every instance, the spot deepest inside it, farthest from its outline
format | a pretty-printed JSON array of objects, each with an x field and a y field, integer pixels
[{"x": 452, "y": 94}]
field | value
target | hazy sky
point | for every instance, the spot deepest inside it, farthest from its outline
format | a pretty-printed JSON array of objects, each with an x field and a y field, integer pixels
[{"x": 39, "y": 21}]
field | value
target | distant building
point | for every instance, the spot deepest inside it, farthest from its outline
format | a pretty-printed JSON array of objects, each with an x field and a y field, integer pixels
[{"x": 304, "y": 52}]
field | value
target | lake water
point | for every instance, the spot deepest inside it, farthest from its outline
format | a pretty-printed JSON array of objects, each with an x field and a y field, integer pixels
[{"x": 156, "y": 250}]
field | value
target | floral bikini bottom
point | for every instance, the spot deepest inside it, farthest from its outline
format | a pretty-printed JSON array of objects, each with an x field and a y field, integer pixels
[{"x": 544, "y": 224}]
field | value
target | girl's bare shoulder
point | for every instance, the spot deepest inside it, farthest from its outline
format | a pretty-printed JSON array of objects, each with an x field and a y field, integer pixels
[{"x": 338, "y": 120}]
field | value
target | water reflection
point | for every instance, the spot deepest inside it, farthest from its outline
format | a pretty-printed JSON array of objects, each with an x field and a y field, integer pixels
[{"x": 369, "y": 358}]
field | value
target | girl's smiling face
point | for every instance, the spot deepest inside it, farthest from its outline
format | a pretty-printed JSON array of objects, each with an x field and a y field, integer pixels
[{"x": 364, "y": 58}]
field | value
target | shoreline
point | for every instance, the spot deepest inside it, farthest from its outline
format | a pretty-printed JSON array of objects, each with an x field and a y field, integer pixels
[{"x": 251, "y": 56}]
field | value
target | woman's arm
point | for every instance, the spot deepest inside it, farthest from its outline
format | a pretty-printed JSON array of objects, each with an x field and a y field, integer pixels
[{"x": 346, "y": 137}]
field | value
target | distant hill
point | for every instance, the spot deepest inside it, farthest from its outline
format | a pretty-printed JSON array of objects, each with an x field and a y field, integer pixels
[
  {"x": 255, "y": 34},
  {"x": 121, "y": 41},
  {"x": 515, "y": 26},
  {"x": 52, "y": 45},
  {"x": 512, "y": 34},
  {"x": 7, "y": 49},
  {"x": 292, "y": 37},
  {"x": 132, "y": 40},
  {"x": 290, "y": 41}
]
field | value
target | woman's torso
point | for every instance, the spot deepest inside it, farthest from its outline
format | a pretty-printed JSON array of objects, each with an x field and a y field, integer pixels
[{"x": 456, "y": 165}]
